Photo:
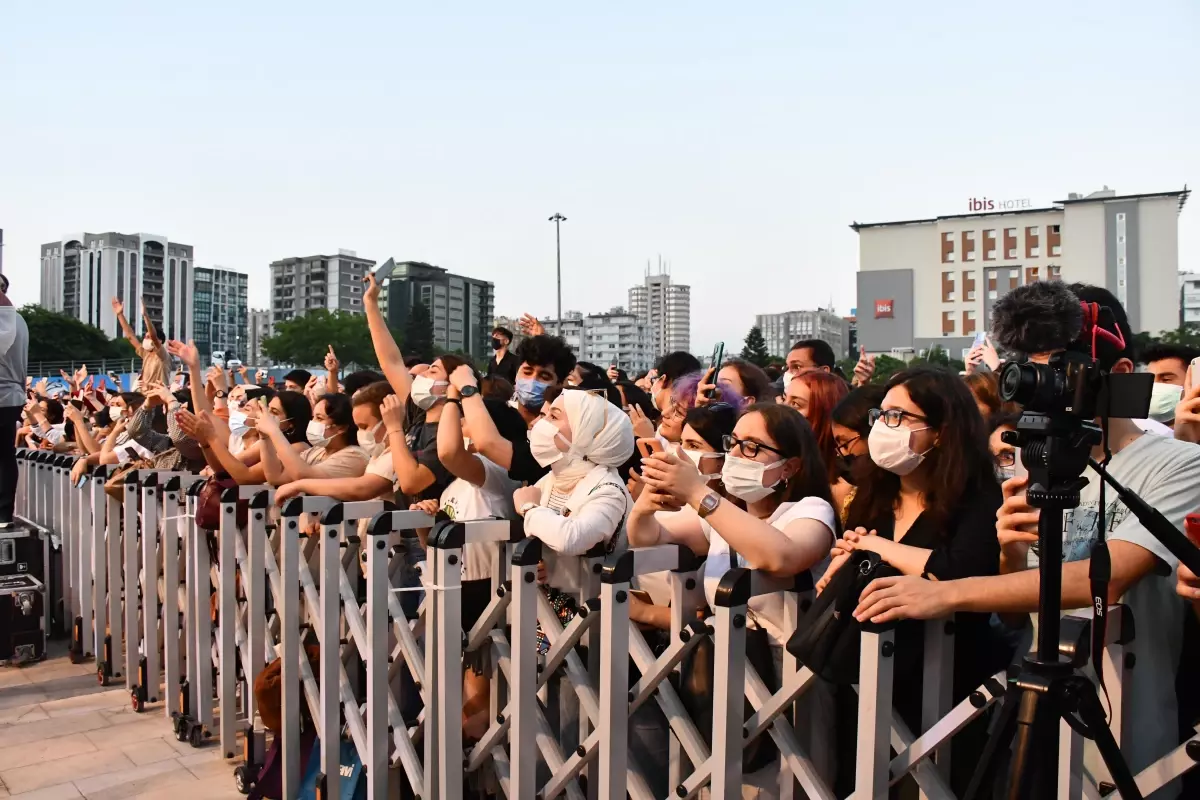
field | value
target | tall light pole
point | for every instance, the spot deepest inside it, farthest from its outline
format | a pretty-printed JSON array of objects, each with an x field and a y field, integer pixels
[{"x": 558, "y": 219}]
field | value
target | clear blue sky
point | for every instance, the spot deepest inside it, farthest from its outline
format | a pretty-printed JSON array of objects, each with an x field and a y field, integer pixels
[{"x": 738, "y": 140}]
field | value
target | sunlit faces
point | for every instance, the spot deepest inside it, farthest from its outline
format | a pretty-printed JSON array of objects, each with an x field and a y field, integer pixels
[
  {"x": 557, "y": 415},
  {"x": 752, "y": 442},
  {"x": 673, "y": 418},
  {"x": 923, "y": 437}
]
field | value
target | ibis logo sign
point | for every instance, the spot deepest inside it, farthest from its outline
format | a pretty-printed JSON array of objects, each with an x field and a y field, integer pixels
[
  {"x": 975, "y": 204},
  {"x": 884, "y": 309}
]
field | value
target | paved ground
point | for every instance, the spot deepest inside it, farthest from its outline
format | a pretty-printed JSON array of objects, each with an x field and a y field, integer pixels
[{"x": 62, "y": 735}]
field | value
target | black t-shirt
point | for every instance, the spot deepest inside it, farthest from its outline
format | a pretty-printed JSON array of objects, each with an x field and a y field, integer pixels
[
  {"x": 422, "y": 443},
  {"x": 524, "y": 467},
  {"x": 506, "y": 368}
]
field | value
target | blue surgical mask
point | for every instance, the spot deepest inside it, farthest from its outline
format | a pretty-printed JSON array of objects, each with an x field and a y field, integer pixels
[{"x": 531, "y": 393}]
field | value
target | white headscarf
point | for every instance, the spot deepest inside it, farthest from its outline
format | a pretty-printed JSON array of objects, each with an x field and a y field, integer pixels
[{"x": 601, "y": 434}]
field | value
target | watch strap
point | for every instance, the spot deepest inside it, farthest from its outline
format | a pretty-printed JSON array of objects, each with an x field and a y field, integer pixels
[{"x": 708, "y": 505}]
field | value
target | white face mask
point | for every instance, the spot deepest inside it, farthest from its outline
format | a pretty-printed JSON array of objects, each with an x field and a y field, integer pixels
[
  {"x": 366, "y": 439},
  {"x": 237, "y": 422},
  {"x": 743, "y": 478},
  {"x": 697, "y": 457},
  {"x": 1163, "y": 399},
  {"x": 147, "y": 344},
  {"x": 316, "y": 433},
  {"x": 423, "y": 394},
  {"x": 116, "y": 412},
  {"x": 890, "y": 448},
  {"x": 543, "y": 443}
]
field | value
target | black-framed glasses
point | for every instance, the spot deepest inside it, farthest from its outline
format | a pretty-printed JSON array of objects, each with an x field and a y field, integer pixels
[
  {"x": 749, "y": 448},
  {"x": 843, "y": 448},
  {"x": 892, "y": 417},
  {"x": 1006, "y": 458}
]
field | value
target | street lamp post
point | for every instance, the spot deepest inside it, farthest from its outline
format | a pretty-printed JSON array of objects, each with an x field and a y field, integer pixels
[{"x": 558, "y": 219}]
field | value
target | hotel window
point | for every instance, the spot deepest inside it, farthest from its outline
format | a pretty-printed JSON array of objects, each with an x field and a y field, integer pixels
[
  {"x": 1033, "y": 244},
  {"x": 947, "y": 323},
  {"x": 1010, "y": 242},
  {"x": 1014, "y": 279},
  {"x": 1053, "y": 240},
  {"x": 968, "y": 323},
  {"x": 947, "y": 248},
  {"x": 991, "y": 285},
  {"x": 1031, "y": 274},
  {"x": 969, "y": 285},
  {"x": 947, "y": 287},
  {"x": 989, "y": 245},
  {"x": 968, "y": 246},
  {"x": 1055, "y": 272}
]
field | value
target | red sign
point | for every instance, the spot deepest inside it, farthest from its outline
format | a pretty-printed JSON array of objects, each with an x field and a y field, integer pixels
[{"x": 883, "y": 309}]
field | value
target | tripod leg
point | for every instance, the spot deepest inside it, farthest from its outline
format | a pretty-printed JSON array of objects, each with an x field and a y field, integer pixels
[
  {"x": 1000, "y": 738},
  {"x": 1079, "y": 694},
  {"x": 1025, "y": 746}
]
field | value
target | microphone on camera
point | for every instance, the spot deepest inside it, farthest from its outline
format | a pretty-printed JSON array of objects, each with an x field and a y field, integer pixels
[{"x": 1038, "y": 317}]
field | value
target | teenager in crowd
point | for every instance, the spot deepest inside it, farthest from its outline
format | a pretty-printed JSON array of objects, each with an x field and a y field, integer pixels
[
  {"x": 334, "y": 451},
  {"x": 376, "y": 482},
  {"x": 1169, "y": 365},
  {"x": 290, "y": 412},
  {"x": 591, "y": 378},
  {"x": 669, "y": 370},
  {"x": 689, "y": 391},
  {"x": 1162, "y": 471},
  {"x": 297, "y": 380},
  {"x": 1003, "y": 453},
  {"x": 815, "y": 394},
  {"x": 774, "y": 514},
  {"x": 502, "y": 363},
  {"x": 851, "y": 428},
  {"x": 746, "y": 379},
  {"x": 545, "y": 362},
  {"x": 810, "y": 355},
  {"x": 150, "y": 347}
]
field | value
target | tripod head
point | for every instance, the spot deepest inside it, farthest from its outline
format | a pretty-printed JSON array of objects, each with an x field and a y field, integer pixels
[{"x": 1055, "y": 449}]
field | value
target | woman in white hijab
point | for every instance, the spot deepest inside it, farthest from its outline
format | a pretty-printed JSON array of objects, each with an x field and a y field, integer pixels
[{"x": 582, "y": 501}]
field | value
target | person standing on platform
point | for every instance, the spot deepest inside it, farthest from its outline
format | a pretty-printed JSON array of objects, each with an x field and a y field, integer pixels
[{"x": 14, "y": 362}]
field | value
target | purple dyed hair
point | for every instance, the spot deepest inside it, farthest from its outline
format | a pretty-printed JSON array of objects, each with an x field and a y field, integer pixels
[{"x": 684, "y": 392}]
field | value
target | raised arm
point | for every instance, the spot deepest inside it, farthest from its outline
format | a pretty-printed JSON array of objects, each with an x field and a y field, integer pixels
[
  {"x": 119, "y": 309},
  {"x": 488, "y": 441},
  {"x": 412, "y": 476},
  {"x": 391, "y": 360},
  {"x": 451, "y": 451},
  {"x": 190, "y": 356},
  {"x": 332, "y": 366},
  {"x": 150, "y": 331}
]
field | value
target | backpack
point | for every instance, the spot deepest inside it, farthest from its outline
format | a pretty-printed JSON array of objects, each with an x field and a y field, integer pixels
[{"x": 353, "y": 777}]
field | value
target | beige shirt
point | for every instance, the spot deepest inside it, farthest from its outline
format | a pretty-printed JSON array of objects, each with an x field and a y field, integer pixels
[
  {"x": 155, "y": 364},
  {"x": 349, "y": 462}
]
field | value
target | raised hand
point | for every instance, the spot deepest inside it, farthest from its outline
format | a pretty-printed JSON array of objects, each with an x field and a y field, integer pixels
[
  {"x": 118, "y": 307},
  {"x": 331, "y": 360},
  {"x": 707, "y": 387},
  {"x": 41, "y": 386},
  {"x": 187, "y": 353},
  {"x": 530, "y": 326},
  {"x": 371, "y": 294},
  {"x": 865, "y": 367},
  {"x": 81, "y": 375},
  {"x": 392, "y": 411}
]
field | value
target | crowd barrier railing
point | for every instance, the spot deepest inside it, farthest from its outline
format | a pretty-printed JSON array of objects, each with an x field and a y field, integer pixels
[{"x": 328, "y": 573}]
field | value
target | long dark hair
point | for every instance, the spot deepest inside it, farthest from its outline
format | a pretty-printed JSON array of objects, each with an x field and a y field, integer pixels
[
  {"x": 960, "y": 460},
  {"x": 340, "y": 413},
  {"x": 713, "y": 423},
  {"x": 795, "y": 439},
  {"x": 298, "y": 413}
]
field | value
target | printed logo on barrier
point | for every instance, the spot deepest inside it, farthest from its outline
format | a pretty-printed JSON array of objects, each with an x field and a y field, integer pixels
[{"x": 884, "y": 309}]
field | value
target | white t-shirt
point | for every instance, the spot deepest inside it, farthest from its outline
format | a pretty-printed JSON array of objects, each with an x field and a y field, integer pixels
[
  {"x": 462, "y": 500},
  {"x": 766, "y": 612}
]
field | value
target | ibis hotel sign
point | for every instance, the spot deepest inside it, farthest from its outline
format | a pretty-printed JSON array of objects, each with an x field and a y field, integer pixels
[{"x": 976, "y": 204}]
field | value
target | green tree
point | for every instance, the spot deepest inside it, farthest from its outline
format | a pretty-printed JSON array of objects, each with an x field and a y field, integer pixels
[
  {"x": 755, "y": 348},
  {"x": 939, "y": 356},
  {"x": 885, "y": 367},
  {"x": 305, "y": 340},
  {"x": 60, "y": 337},
  {"x": 1187, "y": 334},
  {"x": 418, "y": 333}
]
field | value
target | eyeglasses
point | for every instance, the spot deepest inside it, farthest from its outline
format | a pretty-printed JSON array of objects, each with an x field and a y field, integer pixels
[
  {"x": 892, "y": 417},
  {"x": 676, "y": 411},
  {"x": 843, "y": 448},
  {"x": 1006, "y": 458},
  {"x": 749, "y": 448}
]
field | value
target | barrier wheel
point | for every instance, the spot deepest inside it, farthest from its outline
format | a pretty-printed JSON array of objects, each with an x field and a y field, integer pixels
[
  {"x": 135, "y": 697},
  {"x": 243, "y": 779},
  {"x": 176, "y": 724},
  {"x": 196, "y": 736},
  {"x": 102, "y": 673}
]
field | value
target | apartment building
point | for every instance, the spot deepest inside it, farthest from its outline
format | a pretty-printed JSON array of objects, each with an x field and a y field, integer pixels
[
  {"x": 220, "y": 312},
  {"x": 461, "y": 308},
  {"x": 1189, "y": 298},
  {"x": 258, "y": 327},
  {"x": 927, "y": 282},
  {"x": 303, "y": 284},
  {"x": 616, "y": 337},
  {"x": 781, "y": 331},
  {"x": 82, "y": 272},
  {"x": 665, "y": 308}
]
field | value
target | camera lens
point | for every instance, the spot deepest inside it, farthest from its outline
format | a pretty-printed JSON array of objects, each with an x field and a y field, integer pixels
[{"x": 1018, "y": 383}]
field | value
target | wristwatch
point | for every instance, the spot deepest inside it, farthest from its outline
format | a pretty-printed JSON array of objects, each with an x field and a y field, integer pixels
[
  {"x": 708, "y": 505},
  {"x": 525, "y": 509},
  {"x": 221, "y": 394},
  {"x": 468, "y": 391}
]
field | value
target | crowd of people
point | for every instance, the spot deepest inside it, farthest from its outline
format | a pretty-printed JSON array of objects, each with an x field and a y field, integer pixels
[{"x": 794, "y": 475}]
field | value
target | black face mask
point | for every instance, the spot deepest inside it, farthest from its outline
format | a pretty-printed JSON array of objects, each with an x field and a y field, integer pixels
[
  {"x": 497, "y": 344},
  {"x": 845, "y": 466}
]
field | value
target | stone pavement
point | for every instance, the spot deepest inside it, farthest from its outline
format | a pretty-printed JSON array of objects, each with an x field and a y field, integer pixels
[{"x": 62, "y": 735}]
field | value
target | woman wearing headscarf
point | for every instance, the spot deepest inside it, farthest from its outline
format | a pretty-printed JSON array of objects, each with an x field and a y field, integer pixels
[{"x": 582, "y": 501}]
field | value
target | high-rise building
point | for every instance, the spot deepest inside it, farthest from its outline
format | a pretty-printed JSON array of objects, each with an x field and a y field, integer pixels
[
  {"x": 614, "y": 337},
  {"x": 258, "y": 328},
  {"x": 1189, "y": 298},
  {"x": 666, "y": 308},
  {"x": 781, "y": 331},
  {"x": 926, "y": 282},
  {"x": 460, "y": 308},
  {"x": 219, "y": 309},
  {"x": 82, "y": 272},
  {"x": 301, "y": 285}
]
